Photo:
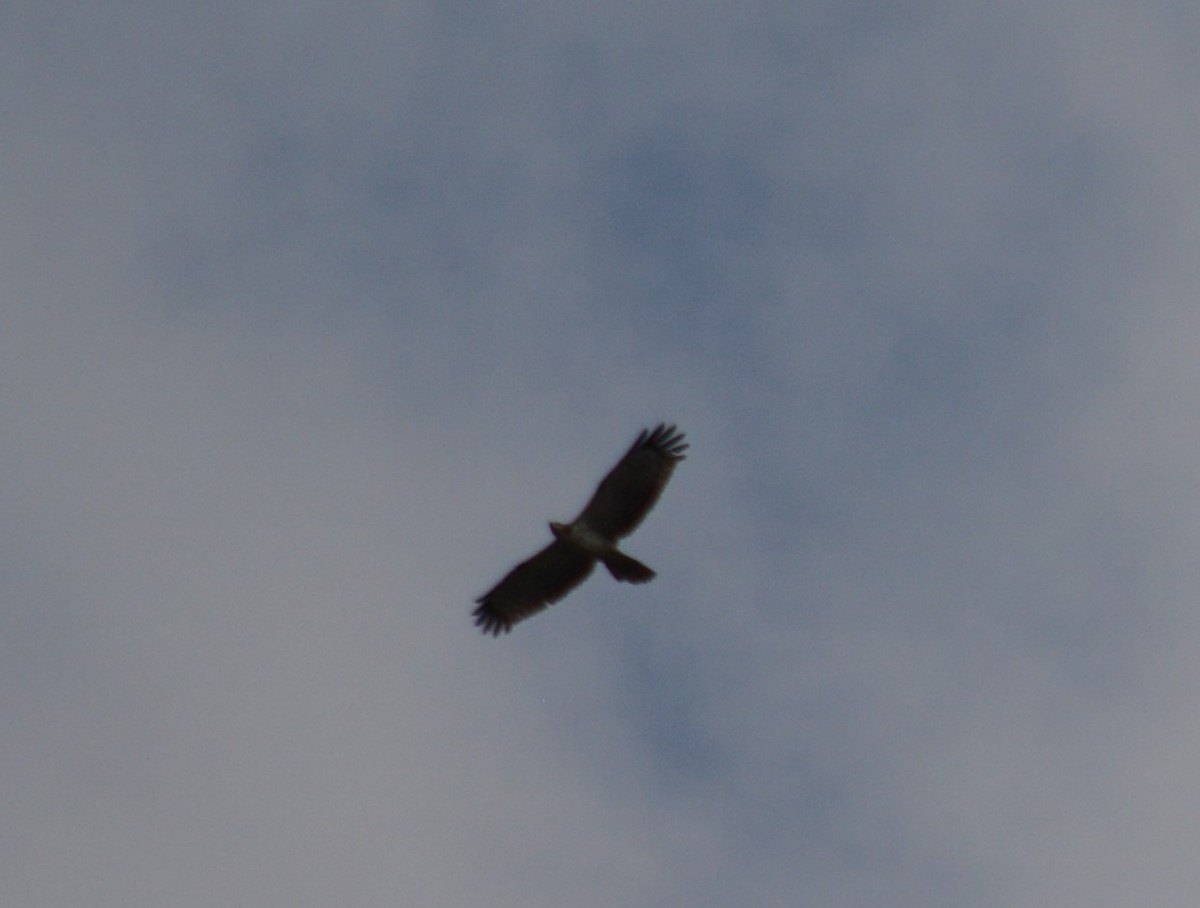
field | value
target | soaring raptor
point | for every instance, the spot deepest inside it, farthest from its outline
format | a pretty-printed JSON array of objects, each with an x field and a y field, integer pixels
[{"x": 618, "y": 505}]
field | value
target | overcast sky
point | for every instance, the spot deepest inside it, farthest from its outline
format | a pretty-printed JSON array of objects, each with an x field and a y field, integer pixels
[{"x": 313, "y": 314}]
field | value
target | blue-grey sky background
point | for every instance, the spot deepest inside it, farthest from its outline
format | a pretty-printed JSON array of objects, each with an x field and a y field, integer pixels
[{"x": 313, "y": 314}]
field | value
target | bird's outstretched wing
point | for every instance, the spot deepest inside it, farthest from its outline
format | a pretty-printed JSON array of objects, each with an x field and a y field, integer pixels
[
  {"x": 632, "y": 487},
  {"x": 531, "y": 586}
]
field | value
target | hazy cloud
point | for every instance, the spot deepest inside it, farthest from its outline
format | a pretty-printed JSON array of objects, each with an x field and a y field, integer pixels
[{"x": 312, "y": 316}]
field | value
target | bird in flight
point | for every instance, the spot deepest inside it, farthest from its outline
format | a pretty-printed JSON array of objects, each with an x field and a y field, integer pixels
[{"x": 618, "y": 505}]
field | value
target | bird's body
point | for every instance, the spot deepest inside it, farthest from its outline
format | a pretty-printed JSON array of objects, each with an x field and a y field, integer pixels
[
  {"x": 581, "y": 536},
  {"x": 618, "y": 505}
]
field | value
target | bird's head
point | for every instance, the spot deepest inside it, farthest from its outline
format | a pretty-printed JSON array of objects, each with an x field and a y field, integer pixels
[{"x": 558, "y": 529}]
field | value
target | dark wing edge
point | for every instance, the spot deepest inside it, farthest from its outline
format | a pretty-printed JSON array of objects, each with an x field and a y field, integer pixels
[
  {"x": 634, "y": 485},
  {"x": 531, "y": 586}
]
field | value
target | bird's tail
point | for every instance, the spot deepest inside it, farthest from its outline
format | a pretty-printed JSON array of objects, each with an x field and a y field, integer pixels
[{"x": 626, "y": 569}]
